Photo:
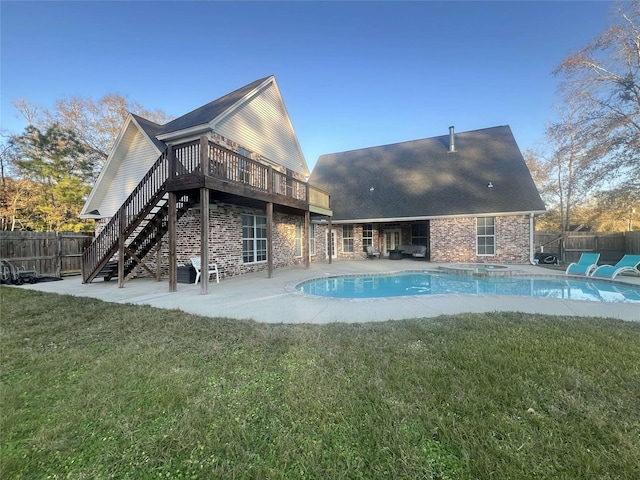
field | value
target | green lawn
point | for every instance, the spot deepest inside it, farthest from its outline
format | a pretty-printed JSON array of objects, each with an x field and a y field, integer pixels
[{"x": 93, "y": 390}]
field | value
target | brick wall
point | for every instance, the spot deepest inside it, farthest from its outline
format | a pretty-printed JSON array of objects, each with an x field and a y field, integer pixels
[
  {"x": 451, "y": 240},
  {"x": 454, "y": 240},
  {"x": 358, "y": 248},
  {"x": 225, "y": 239},
  {"x": 321, "y": 242}
]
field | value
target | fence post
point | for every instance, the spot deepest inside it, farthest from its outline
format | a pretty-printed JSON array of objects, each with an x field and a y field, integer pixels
[{"x": 59, "y": 255}]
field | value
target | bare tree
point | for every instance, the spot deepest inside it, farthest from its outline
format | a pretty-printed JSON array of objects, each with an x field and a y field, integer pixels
[
  {"x": 604, "y": 79},
  {"x": 574, "y": 166},
  {"x": 96, "y": 123}
]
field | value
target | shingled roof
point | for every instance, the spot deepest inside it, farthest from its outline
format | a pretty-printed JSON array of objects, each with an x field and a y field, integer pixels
[
  {"x": 151, "y": 129},
  {"x": 211, "y": 110},
  {"x": 485, "y": 175}
]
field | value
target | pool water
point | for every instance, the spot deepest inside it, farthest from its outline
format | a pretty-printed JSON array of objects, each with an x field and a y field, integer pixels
[{"x": 435, "y": 283}]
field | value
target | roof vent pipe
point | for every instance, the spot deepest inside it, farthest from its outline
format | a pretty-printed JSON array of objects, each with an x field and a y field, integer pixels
[{"x": 452, "y": 141}]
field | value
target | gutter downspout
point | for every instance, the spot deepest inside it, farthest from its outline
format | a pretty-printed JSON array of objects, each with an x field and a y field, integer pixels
[{"x": 531, "y": 252}]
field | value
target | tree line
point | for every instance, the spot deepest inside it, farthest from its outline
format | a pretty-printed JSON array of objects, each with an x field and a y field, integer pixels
[
  {"x": 588, "y": 171},
  {"x": 47, "y": 171}
]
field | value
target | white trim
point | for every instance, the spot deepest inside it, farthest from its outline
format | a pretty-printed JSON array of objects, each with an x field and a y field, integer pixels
[
  {"x": 234, "y": 107},
  {"x": 211, "y": 123},
  {"x": 494, "y": 236},
  {"x": 205, "y": 127},
  {"x": 331, "y": 243},
  {"x": 305, "y": 166},
  {"x": 389, "y": 232},
  {"x": 107, "y": 164},
  {"x": 434, "y": 217},
  {"x": 217, "y": 124},
  {"x": 531, "y": 239}
]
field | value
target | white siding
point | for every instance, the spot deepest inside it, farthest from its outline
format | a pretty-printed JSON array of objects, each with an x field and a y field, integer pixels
[
  {"x": 140, "y": 155},
  {"x": 262, "y": 125}
]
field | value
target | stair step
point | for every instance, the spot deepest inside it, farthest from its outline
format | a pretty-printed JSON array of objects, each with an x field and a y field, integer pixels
[{"x": 147, "y": 234}]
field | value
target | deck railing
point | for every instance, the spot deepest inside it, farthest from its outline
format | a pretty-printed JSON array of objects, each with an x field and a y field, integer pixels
[
  {"x": 128, "y": 216},
  {"x": 319, "y": 198},
  {"x": 185, "y": 159},
  {"x": 229, "y": 165}
]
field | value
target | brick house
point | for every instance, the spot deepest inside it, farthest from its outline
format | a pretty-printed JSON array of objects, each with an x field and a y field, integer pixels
[
  {"x": 227, "y": 182},
  {"x": 464, "y": 197}
]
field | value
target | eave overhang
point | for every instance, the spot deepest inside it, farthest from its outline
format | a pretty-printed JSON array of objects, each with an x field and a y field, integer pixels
[
  {"x": 109, "y": 165},
  {"x": 436, "y": 217},
  {"x": 179, "y": 134}
]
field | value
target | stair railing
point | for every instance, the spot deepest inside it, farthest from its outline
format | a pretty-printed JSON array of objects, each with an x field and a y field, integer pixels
[{"x": 137, "y": 206}]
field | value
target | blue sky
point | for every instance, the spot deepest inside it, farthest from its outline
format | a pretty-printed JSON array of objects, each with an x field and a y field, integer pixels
[{"x": 352, "y": 74}]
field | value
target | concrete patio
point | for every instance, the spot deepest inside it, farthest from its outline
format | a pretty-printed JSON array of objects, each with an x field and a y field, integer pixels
[{"x": 274, "y": 300}]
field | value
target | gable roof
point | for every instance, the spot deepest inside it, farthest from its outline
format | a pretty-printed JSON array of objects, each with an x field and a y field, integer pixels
[
  {"x": 423, "y": 179},
  {"x": 206, "y": 113},
  {"x": 253, "y": 116},
  {"x": 151, "y": 129}
]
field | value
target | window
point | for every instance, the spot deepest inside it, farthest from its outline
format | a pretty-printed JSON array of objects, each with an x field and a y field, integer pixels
[
  {"x": 347, "y": 238},
  {"x": 367, "y": 235},
  {"x": 254, "y": 238},
  {"x": 312, "y": 239},
  {"x": 486, "y": 237},
  {"x": 244, "y": 166},
  {"x": 420, "y": 233},
  {"x": 298, "y": 241}
]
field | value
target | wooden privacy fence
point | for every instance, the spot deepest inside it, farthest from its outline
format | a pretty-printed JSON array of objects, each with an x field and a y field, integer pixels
[
  {"x": 51, "y": 254},
  {"x": 570, "y": 245}
]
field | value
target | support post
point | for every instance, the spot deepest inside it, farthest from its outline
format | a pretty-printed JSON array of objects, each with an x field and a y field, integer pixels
[
  {"x": 204, "y": 240},
  {"x": 171, "y": 161},
  {"x": 270, "y": 239},
  {"x": 204, "y": 155},
  {"x": 173, "y": 259},
  {"x": 306, "y": 239},
  {"x": 121, "y": 238},
  {"x": 330, "y": 246},
  {"x": 158, "y": 258}
]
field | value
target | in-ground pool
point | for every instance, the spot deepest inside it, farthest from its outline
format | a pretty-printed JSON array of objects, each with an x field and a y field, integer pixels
[{"x": 436, "y": 283}]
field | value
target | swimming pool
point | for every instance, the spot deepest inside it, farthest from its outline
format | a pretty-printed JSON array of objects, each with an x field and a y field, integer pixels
[{"x": 436, "y": 283}]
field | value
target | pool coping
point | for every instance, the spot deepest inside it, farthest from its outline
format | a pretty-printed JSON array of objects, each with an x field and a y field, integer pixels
[
  {"x": 292, "y": 287},
  {"x": 269, "y": 300}
]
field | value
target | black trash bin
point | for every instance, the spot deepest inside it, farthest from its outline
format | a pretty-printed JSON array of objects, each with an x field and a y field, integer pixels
[{"x": 186, "y": 274}]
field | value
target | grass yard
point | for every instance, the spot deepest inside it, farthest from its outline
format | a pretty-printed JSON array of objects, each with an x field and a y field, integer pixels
[{"x": 92, "y": 390}]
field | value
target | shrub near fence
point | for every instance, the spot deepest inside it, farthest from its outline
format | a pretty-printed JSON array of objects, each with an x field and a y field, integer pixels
[
  {"x": 570, "y": 245},
  {"x": 51, "y": 254}
]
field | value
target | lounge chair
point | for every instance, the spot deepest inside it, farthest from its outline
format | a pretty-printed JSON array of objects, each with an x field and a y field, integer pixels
[
  {"x": 629, "y": 263},
  {"x": 372, "y": 252},
  {"x": 195, "y": 261},
  {"x": 419, "y": 251},
  {"x": 587, "y": 263}
]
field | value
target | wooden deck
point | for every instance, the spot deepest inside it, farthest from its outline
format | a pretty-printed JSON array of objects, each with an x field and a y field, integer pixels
[
  {"x": 202, "y": 171},
  {"x": 234, "y": 178}
]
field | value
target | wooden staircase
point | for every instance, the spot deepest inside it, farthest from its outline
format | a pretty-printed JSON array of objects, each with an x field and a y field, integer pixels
[
  {"x": 184, "y": 170},
  {"x": 140, "y": 223}
]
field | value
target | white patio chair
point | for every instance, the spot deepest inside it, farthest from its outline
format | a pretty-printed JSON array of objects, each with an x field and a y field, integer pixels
[
  {"x": 372, "y": 252},
  {"x": 213, "y": 268}
]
